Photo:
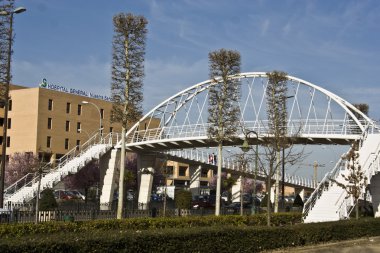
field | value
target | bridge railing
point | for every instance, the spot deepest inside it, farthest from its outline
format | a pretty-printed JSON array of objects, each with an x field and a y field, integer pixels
[
  {"x": 294, "y": 127},
  {"x": 324, "y": 184},
  {"x": 230, "y": 163}
]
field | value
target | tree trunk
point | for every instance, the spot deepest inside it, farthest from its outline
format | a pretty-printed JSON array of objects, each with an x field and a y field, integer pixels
[
  {"x": 219, "y": 180},
  {"x": 241, "y": 196},
  {"x": 121, "y": 178},
  {"x": 277, "y": 184},
  {"x": 357, "y": 208},
  {"x": 37, "y": 218},
  {"x": 268, "y": 200}
]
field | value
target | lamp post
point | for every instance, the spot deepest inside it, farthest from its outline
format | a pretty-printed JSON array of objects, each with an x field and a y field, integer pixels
[
  {"x": 6, "y": 98},
  {"x": 100, "y": 114},
  {"x": 245, "y": 148}
]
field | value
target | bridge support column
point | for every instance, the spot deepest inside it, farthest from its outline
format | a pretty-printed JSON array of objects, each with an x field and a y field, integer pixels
[
  {"x": 272, "y": 193},
  {"x": 374, "y": 188},
  {"x": 145, "y": 187},
  {"x": 195, "y": 179},
  {"x": 236, "y": 190},
  {"x": 145, "y": 165},
  {"x": 109, "y": 169}
]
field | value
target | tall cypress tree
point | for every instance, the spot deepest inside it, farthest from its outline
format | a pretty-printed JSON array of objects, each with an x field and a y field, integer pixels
[
  {"x": 127, "y": 79},
  {"x": 223, "y": 101}
]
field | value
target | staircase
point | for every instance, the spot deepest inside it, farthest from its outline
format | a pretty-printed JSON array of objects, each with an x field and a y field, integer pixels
[
  {"x": 25, "y": 189},
  {"x": 330, "y": 202}
]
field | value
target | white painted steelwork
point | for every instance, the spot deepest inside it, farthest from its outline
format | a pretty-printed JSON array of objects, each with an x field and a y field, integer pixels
[{"x": 315, "y": 115}]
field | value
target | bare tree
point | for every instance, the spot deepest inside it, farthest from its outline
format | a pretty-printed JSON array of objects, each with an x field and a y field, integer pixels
[
  {"x": 355, "y": 180},
  {"x": 277, "y": 139},
  {"x": 19, "y": 165},
  {"x": 277, "y": 118},
  {"x": 84, "y": 179},
  {"x": 127, "y": 79},
  {"x": 223, "y": 104},
  {"x": 243, "y": 161}
]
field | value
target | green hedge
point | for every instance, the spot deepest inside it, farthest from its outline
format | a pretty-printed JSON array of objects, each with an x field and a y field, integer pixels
[
  {"x": 204, "y": 239},
  {"x": 16, "y": 230}
]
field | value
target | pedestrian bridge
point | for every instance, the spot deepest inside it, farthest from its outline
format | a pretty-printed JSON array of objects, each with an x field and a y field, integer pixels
[{"x": 314, "y": 116}]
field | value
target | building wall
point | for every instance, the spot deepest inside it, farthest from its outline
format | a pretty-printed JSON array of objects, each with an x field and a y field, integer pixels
[
  {"x": 29, "y": 120},
  {"x": 24, "y": 121},
  {"x": 177, "y": 179}
]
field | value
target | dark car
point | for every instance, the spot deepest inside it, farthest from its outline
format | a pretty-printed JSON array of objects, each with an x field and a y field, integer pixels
[
  {"x": 235, "y": 207},
  {"x": 203, "y": 201}
]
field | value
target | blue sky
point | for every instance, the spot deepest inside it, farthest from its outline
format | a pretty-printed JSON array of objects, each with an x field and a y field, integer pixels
[{"x": 334, "y": 44}]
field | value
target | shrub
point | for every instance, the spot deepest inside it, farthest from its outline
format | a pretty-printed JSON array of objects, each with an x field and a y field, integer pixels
[
  {"x": 224, "y": 238},
  {"x": 47, "y": 201},
  {"x": 183, "y": 199},
  {"x": 17, "y": 230}
]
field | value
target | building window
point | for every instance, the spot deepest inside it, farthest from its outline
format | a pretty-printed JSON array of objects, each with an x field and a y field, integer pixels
[
  {"x": 78, "y": 127},
  {"x": 9, "y": 123},
  {"x": 66, "y": 143},
  {"x": 67, "y": 125},
  {"x": 182, "y": 171},
  {"x": 111, "y": 129},
  {"x": 50, "y": 122},
  {"x": 50, "y": 105},
  {"x": 68, "y": 107},
  {"x": 48, "y": 142},
  {"x": 102, "y": 113},
  {"x": 169, "y": 171},
  {"x": 79, "y": 109},
  {"x": 1, "y": 121},
  {"x": 8, "y": 141},
  {"x": 1, "y": 140},
  {"x": 9, "y": 105},
  {"x": 204, "y": 172},
  {"x": 78, "y": 144}
]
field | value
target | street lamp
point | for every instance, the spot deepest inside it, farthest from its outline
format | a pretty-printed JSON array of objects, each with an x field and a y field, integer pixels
[
  {"x": 6, "y": 99},
  {"x": 100, "y": 114},
  {"x": 245, "y": 148}
]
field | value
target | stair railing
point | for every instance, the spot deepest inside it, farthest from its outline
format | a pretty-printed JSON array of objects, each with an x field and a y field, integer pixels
[
  {"x": 324, "y": 184},
  {"x": 31, "y": 178}
]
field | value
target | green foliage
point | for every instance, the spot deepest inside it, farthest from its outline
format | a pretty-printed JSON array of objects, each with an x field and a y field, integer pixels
[
  {"x": 127, "y": 67},
  {"x": 183, "y": 199},
  {"x": 298, "y": 201},
  {"x": 17, "y": 230},
  {"x": 47, "y": 201},
  {"x": 224, "y": 94},
  {"x": 226, "y": 238}
]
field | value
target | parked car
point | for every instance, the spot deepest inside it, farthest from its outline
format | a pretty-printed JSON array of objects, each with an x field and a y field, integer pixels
[
  {"x": 68, "y": 195},
  {"x": 155, "y": 197},
  {"x": 77, "y": 194},
  {"x": 203, "y": 201}
]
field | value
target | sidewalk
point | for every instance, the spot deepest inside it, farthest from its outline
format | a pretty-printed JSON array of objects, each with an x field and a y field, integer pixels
[{"x": 363, "y": 245}]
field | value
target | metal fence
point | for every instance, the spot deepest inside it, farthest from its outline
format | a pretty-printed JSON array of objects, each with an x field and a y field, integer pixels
[{"x": 17, "y": 216}]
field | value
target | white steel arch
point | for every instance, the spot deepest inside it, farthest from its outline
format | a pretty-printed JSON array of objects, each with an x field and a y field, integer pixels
[{"x": 315, "y": 115}]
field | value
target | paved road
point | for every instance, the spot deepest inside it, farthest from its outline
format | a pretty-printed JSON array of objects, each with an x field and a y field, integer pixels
[{"x": 363, "y": 245}]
